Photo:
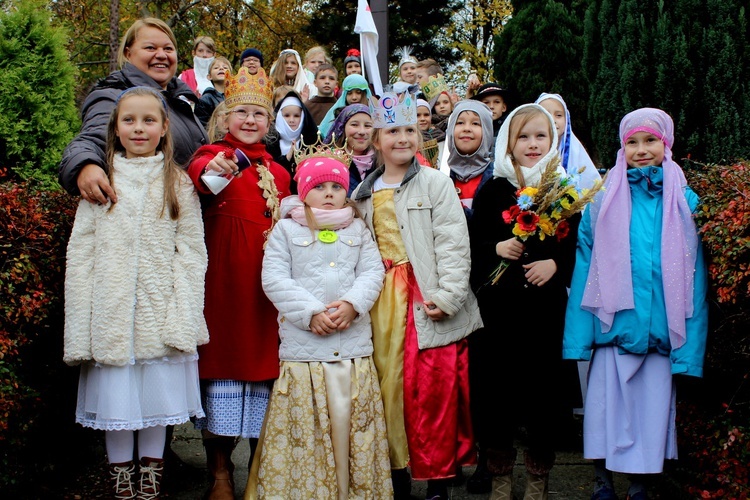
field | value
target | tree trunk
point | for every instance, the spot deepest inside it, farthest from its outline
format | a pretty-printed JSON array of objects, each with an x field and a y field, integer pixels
[{"x": 114, "y": 33}]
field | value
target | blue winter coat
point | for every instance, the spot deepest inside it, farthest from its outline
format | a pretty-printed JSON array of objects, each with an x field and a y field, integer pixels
[{"x": 644, "y": 328}]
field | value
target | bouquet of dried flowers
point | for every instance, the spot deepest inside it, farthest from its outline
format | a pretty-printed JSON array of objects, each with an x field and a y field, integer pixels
[{"x": 543, "y": 211}]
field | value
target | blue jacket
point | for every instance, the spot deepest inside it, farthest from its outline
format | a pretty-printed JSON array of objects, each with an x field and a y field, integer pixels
[{"x": 644, "y": 328}]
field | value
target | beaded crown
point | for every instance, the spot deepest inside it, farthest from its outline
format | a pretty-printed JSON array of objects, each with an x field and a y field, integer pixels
[
  {"x": 393, "y": 110},
  {"x": 434, "y": 87},
  {"x": 244, "y": 88},
  {"x": 322, "y": 149}
]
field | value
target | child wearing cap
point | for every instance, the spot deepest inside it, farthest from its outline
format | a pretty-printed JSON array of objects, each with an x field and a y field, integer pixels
[
  {"x": 325, "y": 435},
  {"x": 496, "y": 98},
  {"x": 353, "y": 62},
  {"x": 252, "y": 59},
  {"x": 237, "y": 367}
]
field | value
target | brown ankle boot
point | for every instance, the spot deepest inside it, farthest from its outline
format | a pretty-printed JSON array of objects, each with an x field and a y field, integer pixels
[
  {"x": 149, "y": 478},
  {"x": 502, "y": 487},
  {"x": 122, "y": 477},
  {"x": 220, "y": 468},
  {"x": 537, "y": 487}
]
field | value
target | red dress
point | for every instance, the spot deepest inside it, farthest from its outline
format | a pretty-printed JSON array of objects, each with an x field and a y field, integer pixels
[{"x": 244, "y": 342}]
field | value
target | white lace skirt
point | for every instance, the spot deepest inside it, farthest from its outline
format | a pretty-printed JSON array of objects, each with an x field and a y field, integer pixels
[{"x": 163, "y": 391}]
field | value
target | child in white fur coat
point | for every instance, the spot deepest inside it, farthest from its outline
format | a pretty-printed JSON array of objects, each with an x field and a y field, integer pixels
[{"x": 134, "y": 296}]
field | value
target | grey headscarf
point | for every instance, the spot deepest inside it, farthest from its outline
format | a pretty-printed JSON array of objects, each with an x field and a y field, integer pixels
[{"x": 466, "y": 167}]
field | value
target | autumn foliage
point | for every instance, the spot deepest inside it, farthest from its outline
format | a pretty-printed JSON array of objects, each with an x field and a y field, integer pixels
[
  {"x": 724, "y": 220},
  {"x": 714, "y": 436},
  {"x": 34, "y": 228}
]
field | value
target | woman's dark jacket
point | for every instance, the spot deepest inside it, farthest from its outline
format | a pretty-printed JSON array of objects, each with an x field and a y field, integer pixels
[{"x": 89, "y": 145}]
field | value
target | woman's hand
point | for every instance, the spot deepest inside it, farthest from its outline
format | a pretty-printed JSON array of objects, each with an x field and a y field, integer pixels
[
  {"x": 433, "y": 311},
  {"x": 321, "y": 324},
  {"x": 510, "y": 249},
  {"x": 344, "y": 314},
  {"x": 540, "y": 272},
  {"x": 94, "y": 185},
  {"x": 224, "y": 164},
  {"x": 305, "y": 94}
]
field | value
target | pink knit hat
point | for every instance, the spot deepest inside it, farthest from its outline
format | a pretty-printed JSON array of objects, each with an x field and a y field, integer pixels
[{"x": 317, "y": 170}]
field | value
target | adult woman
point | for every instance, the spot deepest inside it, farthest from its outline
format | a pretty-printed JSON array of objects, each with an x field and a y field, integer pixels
[
  {"x": 354, "y": 127},
  {"x": 147, "y": 57}
]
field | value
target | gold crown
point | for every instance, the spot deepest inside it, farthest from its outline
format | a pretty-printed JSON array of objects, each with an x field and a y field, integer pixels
[
  {"x": 244, "y": 88},
  {"x": 321, "y": 149},
  {"x": 434, "y": 87}
]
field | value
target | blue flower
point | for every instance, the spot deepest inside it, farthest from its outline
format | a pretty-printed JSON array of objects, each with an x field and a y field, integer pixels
[{"x": 525, "y": 201}]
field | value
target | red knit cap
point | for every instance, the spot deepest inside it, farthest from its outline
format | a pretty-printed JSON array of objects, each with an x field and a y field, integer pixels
[{"x": 317, "y": 170}]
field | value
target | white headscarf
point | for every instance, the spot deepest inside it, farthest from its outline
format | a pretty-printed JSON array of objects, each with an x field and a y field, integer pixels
[
  {"x": 572, "y": 152},
  {"x": 503, "y": 162},
  {"x": 287, "y": 136},
  {"x": 200, "y": 69},
  {"x": 300, "y": 81}
]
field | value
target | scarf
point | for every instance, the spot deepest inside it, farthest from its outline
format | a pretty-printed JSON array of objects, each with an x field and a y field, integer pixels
[
  {"x": 363, "y": 162},
  {"x": 609, "y": 287},
  {"x": 572, "y": 152},
  {"x": 300, "y": 79},
  {"x": 503, "y": 158},
  {"x": 200, "y": 70},
  {"x": 339, "y": 124},
  {"x": 351, "y": 82},
  {"x": 466, "y": 167},
  {"x": 287, "y": 136},
  {"x": 325, "y": 219}
]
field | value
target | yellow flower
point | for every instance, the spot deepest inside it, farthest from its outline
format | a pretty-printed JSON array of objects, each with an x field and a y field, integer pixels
[
  {"x": 546, "y": 225},
  {"x": 530, "y": 191},
  {"x": 517, "y": 231}
]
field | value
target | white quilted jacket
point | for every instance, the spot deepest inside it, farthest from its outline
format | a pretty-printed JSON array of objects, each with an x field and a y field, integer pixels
[
  {"x": 436, "y": 237},
  {"x": 301, "y": 275},
  {"x": 134, "y": 283}
]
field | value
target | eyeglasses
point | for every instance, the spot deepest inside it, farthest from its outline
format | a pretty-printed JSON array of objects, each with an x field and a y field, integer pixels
[{"x": 242, "y": 114}]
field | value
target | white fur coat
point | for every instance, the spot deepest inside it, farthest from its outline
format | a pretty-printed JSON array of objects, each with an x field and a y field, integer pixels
[{"x": 134, "y": 283}]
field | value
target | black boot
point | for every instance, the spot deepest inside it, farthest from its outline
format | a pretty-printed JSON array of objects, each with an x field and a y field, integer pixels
[
  {"x": 401, "y": 484},
  {"x": 481, "y": 480},
  {"x": 437, "y": 489}
]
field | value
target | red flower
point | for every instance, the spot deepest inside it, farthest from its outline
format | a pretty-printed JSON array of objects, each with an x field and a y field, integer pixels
[
  {"x": 563, "y": 228},
  {"x": 527, "y": 221},
  {"x": 511, "y": 214}
]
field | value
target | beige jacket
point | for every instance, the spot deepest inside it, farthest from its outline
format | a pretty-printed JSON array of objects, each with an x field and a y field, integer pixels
[{"x": 433, "y": 228}]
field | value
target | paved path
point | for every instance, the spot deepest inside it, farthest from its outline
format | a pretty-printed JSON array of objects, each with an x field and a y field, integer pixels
[{"x": 570, "y": 478}]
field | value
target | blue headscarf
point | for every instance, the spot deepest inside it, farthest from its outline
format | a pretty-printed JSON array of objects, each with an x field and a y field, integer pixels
[
  {"x": 338, "y": 125},
  {"x": 351, "y": 82}
]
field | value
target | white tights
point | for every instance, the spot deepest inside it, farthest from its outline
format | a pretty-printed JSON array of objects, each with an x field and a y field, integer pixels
[{"x": 120, "y": 444}]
